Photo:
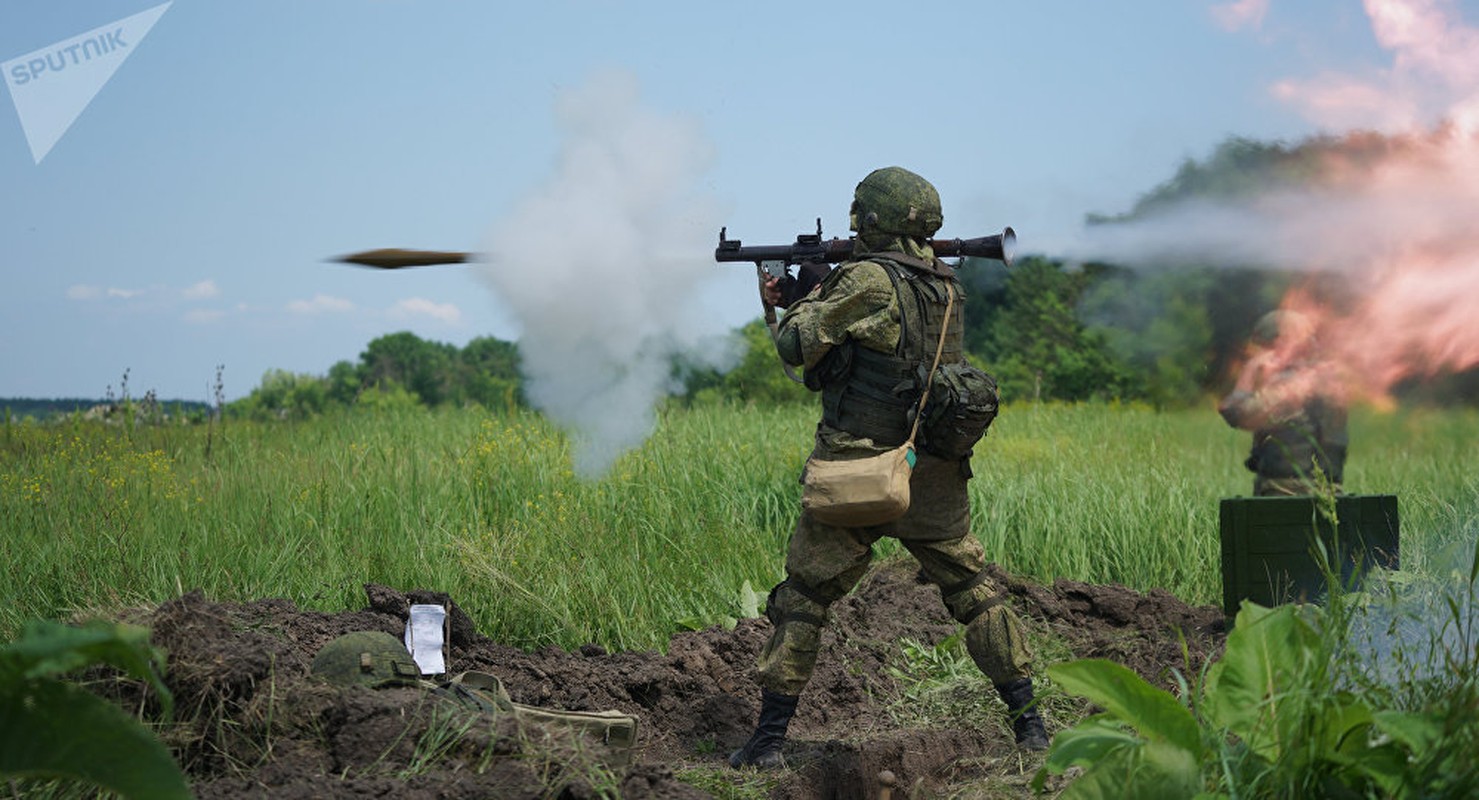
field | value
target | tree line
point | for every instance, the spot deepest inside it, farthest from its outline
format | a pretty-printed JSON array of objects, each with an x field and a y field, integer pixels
[{"x": 396, "y": 370}]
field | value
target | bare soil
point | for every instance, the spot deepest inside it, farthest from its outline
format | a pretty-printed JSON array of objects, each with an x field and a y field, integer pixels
[{"x": 252, "y": 722}]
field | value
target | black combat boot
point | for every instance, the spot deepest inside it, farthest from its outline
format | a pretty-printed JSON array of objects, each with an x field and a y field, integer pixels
[
  {"x": 764, "y": 748},
  {"x": 1026, "y": 722}
]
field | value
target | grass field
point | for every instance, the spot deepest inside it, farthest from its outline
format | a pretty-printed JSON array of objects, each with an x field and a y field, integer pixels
[{"x": 484, "y": 506}]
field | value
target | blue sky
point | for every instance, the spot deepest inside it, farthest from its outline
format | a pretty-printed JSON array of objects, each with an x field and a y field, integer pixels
[{"x": 183, "y": 221}]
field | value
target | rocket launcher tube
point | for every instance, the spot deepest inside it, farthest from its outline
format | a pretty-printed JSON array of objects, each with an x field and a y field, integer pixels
[
  {"x": 815, "y": 256},
  {"x": 810, "y": 248}
]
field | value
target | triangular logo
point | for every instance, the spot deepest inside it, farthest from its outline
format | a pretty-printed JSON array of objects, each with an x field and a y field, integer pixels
[{"x": 51, "y": 86}]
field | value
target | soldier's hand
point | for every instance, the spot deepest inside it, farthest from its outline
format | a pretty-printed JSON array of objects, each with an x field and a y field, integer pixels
[{"x": 771, "y": 292}]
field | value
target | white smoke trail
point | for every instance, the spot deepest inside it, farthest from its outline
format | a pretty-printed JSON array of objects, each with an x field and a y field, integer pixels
[
  {"x": 1347, "y": 227},
  {"x": 602, "y": 266},
  {"x": 1418, "y": 195}
]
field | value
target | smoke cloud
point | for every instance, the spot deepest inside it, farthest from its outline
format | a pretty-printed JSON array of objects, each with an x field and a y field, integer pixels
[
  {"x": 1393, "y": 214},
  {"x": 1425, "y": 629},
  {"x": 1364, "y": 214},
  {"x": 603, "y": 264}
]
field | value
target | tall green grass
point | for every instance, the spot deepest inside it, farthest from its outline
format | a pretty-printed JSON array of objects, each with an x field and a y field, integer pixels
[
  {"x": 1129, "y": 495},
  {"x": 484, "y": 506}
]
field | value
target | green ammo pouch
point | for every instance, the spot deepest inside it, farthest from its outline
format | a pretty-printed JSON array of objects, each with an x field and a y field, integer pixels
[{"x": 963, "y": 403}]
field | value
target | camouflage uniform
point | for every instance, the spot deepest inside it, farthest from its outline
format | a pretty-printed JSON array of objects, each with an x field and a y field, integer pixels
[
  {"x": 859, "y": 307},
  {"x": 1283, "y": 398},
  {"x": 866, "y": 340}
]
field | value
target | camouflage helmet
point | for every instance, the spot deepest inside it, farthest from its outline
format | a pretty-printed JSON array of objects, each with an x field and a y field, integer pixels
[
  {"x": 366, "y": 658},
  {"x": 895, "y": 200},
  {"x": 1291, "y": 326}
]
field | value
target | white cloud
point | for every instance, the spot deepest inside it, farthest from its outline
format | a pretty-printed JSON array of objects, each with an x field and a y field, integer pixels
[
  {"x": 420, "y": 306},
  {"x": 1434, "y": 74},
  {"x": 1240, "y": 14},
  {"x": 321, "y": 304},
  {"x": 201, "y": 291},
  {"x": 204, "y": 290}
]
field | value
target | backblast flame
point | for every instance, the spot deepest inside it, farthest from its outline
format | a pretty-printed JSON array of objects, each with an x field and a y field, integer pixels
[{"x": 1407, "y": 316}]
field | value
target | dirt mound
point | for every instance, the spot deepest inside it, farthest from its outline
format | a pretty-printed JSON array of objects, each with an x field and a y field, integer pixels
[{"x": 253, "y": 722}]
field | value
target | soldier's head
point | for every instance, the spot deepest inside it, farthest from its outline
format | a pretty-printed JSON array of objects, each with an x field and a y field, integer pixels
[
  {"x": 895, "y": 201},
  {"x": 1287, "y": 329},
  {"x": 366, "y": 658}
]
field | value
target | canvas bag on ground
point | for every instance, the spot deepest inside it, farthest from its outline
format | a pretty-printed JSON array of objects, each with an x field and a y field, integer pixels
[
  {"x": 874, "y": 490},
  {"x": 614, "y": 732}
]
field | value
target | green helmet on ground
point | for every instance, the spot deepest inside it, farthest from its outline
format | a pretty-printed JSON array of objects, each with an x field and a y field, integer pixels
[
  {"x": 896, "y": 201},
  {"x": 366, "y": 658}
]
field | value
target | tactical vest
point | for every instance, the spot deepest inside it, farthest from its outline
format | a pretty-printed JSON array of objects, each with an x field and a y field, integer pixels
[
  {"x": 875, "y": 394},
  {"x": 1293, "y": 449}
]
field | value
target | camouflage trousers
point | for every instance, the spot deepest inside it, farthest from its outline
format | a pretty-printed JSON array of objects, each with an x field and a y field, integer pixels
[{"x": 825, "y": 562}]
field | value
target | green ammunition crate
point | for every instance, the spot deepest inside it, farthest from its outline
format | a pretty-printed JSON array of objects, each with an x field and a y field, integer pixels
[{"x": 1268, "y": 553}]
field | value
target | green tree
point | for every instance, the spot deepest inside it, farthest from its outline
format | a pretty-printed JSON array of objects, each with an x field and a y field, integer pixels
[
  {"x": 488, "y": 373},
  {"x": 423, "y": 368},
  {"x": 1239, "y": 168},
  {"x": 759, "y": 377},
  {"x": 388, "y": 398},
  {"x": 1036, "y": 345},
  {"x": 1158, "y": 325},
  {"x": 284, "y": 395},
  {"x": 344, "y": 383},
  {"x": 984, "y": 285}
]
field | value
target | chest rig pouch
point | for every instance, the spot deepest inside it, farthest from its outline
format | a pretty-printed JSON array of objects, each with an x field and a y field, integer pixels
[{"x": 961, "y": 407}]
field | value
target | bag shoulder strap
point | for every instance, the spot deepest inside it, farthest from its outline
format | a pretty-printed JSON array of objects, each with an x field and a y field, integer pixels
[{"x": 939, "y": 348}]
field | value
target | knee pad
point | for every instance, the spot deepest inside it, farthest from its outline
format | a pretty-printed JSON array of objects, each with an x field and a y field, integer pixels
[
  {"x": 972, "y": 597},
  {"x": 792, "y": 601}
]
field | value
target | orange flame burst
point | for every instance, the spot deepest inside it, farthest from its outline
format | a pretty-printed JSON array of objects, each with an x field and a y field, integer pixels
[{"x": 1407, "y": 315}]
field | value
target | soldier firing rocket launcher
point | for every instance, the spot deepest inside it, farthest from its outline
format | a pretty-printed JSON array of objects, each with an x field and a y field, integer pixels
[
  {"x": 814, "y": 256},
  {"x": 810, "y": 252}
]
